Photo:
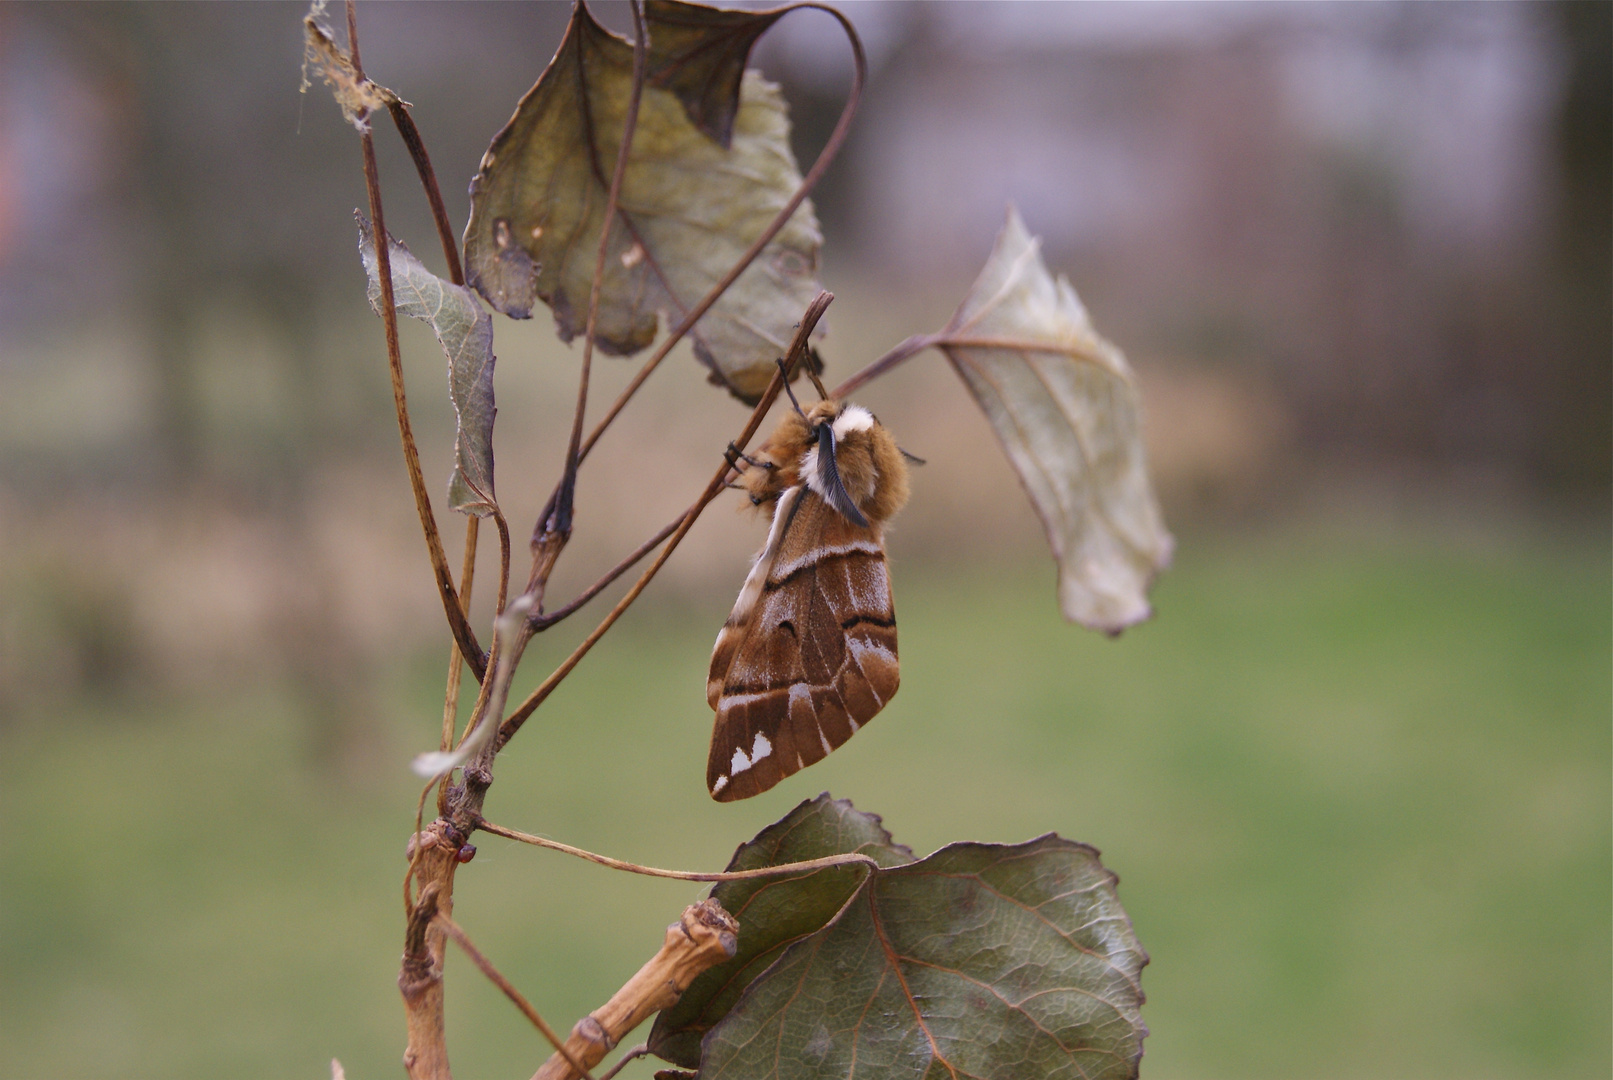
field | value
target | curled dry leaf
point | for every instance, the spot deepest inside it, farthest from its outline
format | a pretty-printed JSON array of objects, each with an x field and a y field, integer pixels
[
  {"x": 985, "y": 960},
  {"x": 1065, "y": 407},
  {"x": 710, "y": 168},
  {"x": 465, "y": 331},
  {"x": 774, "y": 913}
]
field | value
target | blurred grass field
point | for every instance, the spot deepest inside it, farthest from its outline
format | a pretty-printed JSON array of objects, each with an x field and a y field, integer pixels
[{"x": 1357, "y": 791}]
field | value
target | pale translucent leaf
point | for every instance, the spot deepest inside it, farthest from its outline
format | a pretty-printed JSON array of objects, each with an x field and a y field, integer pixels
[
  {"x": 465, "y": 331},
  {"x": 1065, "y": 407},
  {"x": 691, "y": 203}
]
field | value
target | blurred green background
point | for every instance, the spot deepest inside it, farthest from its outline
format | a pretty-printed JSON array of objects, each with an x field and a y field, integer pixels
[{"x": 1355, "y": 775}]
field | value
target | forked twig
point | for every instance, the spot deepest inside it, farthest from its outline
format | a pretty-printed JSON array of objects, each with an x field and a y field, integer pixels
[
  {"x": 404, "y": 122},
  {"x": 797, "y": 353},
  {"x": 543, "y": 622}
]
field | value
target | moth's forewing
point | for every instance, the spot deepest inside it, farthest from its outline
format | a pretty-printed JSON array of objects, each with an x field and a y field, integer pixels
[{"x": 809, "y": 654}]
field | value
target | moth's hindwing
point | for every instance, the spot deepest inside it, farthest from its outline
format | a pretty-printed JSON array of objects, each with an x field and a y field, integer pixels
[{"x": 808, "y": 655}]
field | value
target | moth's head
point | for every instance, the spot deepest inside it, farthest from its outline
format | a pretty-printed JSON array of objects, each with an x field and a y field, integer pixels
[
  {"x": 824, "y": 412},
  {"x": 849, "y": 422}
]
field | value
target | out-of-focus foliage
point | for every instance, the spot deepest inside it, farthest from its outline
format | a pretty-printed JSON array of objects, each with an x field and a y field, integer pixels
[
  {"x": 710, "y": 168},
  {"x": 1371, "y": 754}
]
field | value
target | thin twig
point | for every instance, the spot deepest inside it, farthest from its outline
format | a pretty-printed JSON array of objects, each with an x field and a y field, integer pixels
[
  {"x": 849, "y": 859},
  {"x": 451, "y": 928},
  {"x": 941, "y": 339},
  {"x": 637, "y": 1052},
  {"x": 352, "y": 38},
  {"x": 558, "y": 519},
  {"x": 797, "y": 352},
  {"x": 503, "y": 559},
  {"x": 543, "y": 622},
  {"x": 467, "y": 578},
  {"x": 457, "y": 622},
  {"x": 904, "y": 350},
  {"x": 428, "y": 180}
]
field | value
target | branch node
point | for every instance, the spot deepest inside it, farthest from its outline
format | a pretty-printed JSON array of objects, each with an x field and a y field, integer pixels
[{"x": 592, "y": 1030}]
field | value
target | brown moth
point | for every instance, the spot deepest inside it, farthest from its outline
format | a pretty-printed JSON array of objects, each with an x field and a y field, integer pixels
[{"x": 809, "y": 654}]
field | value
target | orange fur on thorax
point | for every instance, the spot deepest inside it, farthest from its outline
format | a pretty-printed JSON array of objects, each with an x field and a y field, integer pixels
[{"x": 870, "y": 463}]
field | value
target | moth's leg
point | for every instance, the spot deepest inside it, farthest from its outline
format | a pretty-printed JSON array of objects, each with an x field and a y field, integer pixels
[
  {"x": 734, "y": 455},
  {"x": 785, "y": 371}
]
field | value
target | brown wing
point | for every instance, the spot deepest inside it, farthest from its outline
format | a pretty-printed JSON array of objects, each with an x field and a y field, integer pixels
[{"x": 808, "y": 655}]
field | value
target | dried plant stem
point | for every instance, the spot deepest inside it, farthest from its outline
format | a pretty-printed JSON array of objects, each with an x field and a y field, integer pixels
[
  {"x": 543, "y": 622},
  {"x": 558, "y": 517},
  {"x": 451, "y": 929},
  {"x": 803, "y": 332},
  {"x": 434, "y": 862},
  {"x": 903, "y": 351},
  {"x": 680, "y": 875},
  {"x": 705, "y": 936},
  {"x": 463, "y": 634},
  {"x": 638, "y": 1051},
  {"x": 467, "y": 578},
  {"x": 428, "y": 180},
  {"x": 420, "y": 979}
]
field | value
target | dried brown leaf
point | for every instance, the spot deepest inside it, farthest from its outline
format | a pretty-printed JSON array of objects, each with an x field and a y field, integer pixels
[{"x": 710, "y": 167}]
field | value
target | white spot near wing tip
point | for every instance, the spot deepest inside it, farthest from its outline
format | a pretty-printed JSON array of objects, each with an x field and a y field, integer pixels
[
  {"x": 740, "y": 762},
  {"x": 722, "y": 782},
  {"x": 760, "y": 748}
]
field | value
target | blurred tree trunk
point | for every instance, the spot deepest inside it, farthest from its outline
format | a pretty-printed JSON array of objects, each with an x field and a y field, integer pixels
[{"x": 1577, "y": 451}]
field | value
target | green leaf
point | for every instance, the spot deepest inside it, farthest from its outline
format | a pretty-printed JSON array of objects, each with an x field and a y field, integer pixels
[
  {"x": 710, "y": 167},
  {"x": 774, "y": 913},
  {"x": 983, "y": 960},
  {"x": 465, "y": 331},
  {"x": 1065, "y": 408}
]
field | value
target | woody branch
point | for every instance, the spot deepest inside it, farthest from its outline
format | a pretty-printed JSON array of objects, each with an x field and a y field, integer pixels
[{"x": 705, "y": 936}]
